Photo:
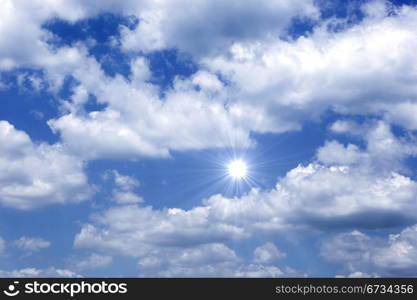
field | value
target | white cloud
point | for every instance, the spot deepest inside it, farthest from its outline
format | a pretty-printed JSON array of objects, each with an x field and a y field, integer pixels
[
  {"x": 192, "y": 28},
  {"x": 202, "y": 260},
  {"x": 93, "y": 261},
  {"x": 259, "y": 270},
  {"x": 126, "y": 197},
  {"x": 34, "y": 175},
  {"x": 404, "y": 114},
  {"x": 21, "y": 47},
  {"x": 352, "y": 246},
  {"x": 268, "y": 253},
  {"x": 27, "y": 46},
  {"x": 357, "y": 274},
  {"x": 145, "y": 227},
  {"x": 384, "y": 151},
  {"x": 335, "y": 153},
  {"x": 125, "y": 183},
  {"x": 137, "y": 122},
  {"x": 400, "y": 255},
  {"x": 206, "y": 80},
  {"x": 321, "y": 196},
  {"x": 182, "y": 29},
  {"x": 360, "y": 253},
  {"x": 176, "y": 243},
  {"x": 364, "y": 69},
  {"x": 250, "y": 270},
  {"x": 123, "y": 193},
  {"x": 33, "y": 272},
  {"x": 349, "y": 127},
  {"x": 210, "y": 260},
  {"x": 211, "y": 253},
  {"x": 30, "y": 82},
  {"x": 30, "y": 244}
]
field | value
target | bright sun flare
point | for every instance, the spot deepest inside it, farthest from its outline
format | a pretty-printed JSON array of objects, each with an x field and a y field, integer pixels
[{"x": 237, "y": 169}]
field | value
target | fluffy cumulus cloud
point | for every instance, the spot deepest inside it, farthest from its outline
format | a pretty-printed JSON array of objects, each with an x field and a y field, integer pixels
[
  {"x": 367, "y": 68},
  {"x": 176, "y": 243},
  {"x": 145, "y": 227},
  {"x": 137, "y": 122},
  {"x": 34, "y": 175},
  {"x": 394, "y": 255},
  {"x": 206, "y": 27}
]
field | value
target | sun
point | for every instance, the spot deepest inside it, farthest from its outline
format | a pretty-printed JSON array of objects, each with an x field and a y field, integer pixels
[{"x": 237, "y": 169}]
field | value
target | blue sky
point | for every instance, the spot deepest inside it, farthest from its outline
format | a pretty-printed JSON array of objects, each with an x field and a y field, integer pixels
[{"x": 118, "y": 123}]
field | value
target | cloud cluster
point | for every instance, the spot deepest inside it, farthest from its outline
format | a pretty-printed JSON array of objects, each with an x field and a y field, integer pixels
[
  {"x": 345, "y": 187},
  {"x": 33, "y": 175},
  {"x": 161, "y": 24},
  {"x": 24, "y": 41},
  {"x": 359, "y": 252},
  {"x": 252, "y": 77},
  {"x": 205, "y": 27},
  {"x": 296, "y": 81},
  {"x": 366, "y": 68},
  {"x": 176, "y": 243},
  {"x": 211, "y": 260},
  {"x": 137, "y": 122},
  {"x": 133, "y": 230}
]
